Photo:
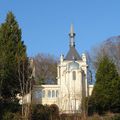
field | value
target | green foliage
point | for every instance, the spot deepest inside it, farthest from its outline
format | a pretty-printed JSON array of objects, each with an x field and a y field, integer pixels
[
  {"x": 9, "y": 109},
  {"x": 106, "y": 92},
  {"x": 41, "y": 112},
  {"x": 14, "y": 70},
  {"x": 11, "y": 116},
  {"x": 116, "y": 117},
  {"x": 12, "y": 52}
]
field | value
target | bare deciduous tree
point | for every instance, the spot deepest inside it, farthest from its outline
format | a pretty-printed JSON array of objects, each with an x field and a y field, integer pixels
[
  {"x": 110, "y": 48},
  {"x": 45, "y": 68}
]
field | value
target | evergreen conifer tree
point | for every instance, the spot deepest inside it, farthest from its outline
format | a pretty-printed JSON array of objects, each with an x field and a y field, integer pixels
[
  {"x": 106, "y": 92},
  {"x": 12, "y": 56}
]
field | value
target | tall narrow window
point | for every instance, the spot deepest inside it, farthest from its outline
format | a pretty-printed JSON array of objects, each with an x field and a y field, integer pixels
[
  {"x": 49, "y": 93},
  {"x": 74, "y": 75},
  {"x": 57, "y": 93},
  {"x": 53, "y": 93}
]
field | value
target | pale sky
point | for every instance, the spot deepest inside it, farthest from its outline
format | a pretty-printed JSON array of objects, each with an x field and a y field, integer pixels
[{"x": 45, "y": 24}]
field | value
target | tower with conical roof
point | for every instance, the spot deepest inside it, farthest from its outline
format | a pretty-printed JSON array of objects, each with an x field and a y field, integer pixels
[
  {"x": 72, "y": 53},
  {"x": 72, "y": 85},
  {"x": 72, "y": 78}
]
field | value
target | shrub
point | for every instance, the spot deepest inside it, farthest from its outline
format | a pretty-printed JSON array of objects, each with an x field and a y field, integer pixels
[
  {"x": 11, "y": 116},
  {"x": 116, "y": 117},
  {"x": 40, "y": 112}
]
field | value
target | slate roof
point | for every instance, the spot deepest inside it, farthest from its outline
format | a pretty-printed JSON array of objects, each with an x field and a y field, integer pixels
[{"x": 72, "y": 54}]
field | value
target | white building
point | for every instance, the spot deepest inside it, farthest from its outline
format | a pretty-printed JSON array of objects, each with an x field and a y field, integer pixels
[{"x": 72, "y": 84}]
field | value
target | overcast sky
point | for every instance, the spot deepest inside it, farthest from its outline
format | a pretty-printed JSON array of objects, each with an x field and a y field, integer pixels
[{"x": 45, "y": 24}]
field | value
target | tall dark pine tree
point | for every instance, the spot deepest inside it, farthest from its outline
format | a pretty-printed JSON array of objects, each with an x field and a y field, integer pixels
[
  {"x": 12, "y": 56},
  {"x": 106, "y": 92}
]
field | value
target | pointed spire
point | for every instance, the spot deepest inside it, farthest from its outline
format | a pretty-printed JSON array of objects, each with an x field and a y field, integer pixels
[
  {"x": 72, "y": 54},
  {"x": 72, "y": 35},
  {"x": 71, "y": 29}
]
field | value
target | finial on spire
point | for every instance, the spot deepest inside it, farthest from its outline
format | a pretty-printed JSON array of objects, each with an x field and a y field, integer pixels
[
  {"x": 72, "y": 35},
  {"x": 71, "y": 29}
]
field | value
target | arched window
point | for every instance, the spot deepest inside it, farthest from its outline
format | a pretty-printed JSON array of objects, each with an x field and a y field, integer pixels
[
  {"x": 49, "y": 93},
  {"x": 43, "y": 93},
  {"x": 53, "y": 93},
  {"x": 74, "y": 75}
]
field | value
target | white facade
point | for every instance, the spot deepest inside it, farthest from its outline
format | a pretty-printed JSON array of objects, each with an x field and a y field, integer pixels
[{"x": 72, "y": 84}]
